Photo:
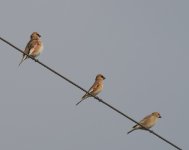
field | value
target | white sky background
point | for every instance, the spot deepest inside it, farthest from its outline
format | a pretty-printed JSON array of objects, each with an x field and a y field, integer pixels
[{"x": 141, "y": 47}]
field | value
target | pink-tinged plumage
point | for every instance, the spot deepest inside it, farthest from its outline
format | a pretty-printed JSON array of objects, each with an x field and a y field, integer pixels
[{"x": 34, "y": 47}]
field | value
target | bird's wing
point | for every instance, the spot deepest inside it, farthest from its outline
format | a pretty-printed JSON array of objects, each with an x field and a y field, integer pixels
[
  {"x": 143, "y": 121},
  {"x": 30, "y": 47},
  {"x": 94, "y": 87}
]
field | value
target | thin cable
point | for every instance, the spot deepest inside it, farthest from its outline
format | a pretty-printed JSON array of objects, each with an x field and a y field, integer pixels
[{"x": 97, "y": 98}]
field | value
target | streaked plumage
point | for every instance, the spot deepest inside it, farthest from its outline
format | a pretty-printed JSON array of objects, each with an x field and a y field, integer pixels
[
  {"x": 148, "y": 122},
  {"x": 34, "y": 46},
  {"x": 96, "y": 88}
]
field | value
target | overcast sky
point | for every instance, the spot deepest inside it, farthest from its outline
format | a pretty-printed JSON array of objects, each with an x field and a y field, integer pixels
[{"x": 140, "y": 46}]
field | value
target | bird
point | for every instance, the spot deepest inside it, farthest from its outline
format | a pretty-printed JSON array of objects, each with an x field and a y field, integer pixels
[
  {"x": 34, "y": 47},
  {"x": 148, "y": 122},
  {"x": 95, "y": 89}
]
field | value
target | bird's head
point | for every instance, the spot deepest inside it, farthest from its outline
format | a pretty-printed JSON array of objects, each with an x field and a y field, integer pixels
[
  {"x": 35, "y": 35},
  {"x": 156, "y": 114},
  {"x": 100, "y": 76}
]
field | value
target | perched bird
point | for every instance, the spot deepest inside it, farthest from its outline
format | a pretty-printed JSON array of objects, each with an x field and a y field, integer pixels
[
  {"x": 34, "y": 47},
  {"x": 148, "y": 122},
  {"x": 96, "y": 88}
]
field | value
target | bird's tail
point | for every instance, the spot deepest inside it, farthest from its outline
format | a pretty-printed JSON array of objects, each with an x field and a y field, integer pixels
[
  {"x": 79, "y": 102},
  {"x": 21, "y": 62},
  {"x": 23, "y": 58},
  {"x": 131, "y": 130},
  {"x": 83, "y": 98}
]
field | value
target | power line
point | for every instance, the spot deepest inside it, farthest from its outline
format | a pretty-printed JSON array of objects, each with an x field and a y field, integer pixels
[{"x": 97, "y": 98}]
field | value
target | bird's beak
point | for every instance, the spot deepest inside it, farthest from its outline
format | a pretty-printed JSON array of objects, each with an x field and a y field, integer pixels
[
  {"x": 104, "y": 78},
  {"x": 39, "y": 35},
  {"x": 160, "y": 116}
]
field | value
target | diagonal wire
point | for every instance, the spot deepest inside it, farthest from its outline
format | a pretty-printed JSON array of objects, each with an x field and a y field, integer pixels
[{"x": 97, "y": 98}]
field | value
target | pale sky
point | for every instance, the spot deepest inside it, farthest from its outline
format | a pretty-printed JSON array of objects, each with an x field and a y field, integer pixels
[{"x": 140, "y": 46}]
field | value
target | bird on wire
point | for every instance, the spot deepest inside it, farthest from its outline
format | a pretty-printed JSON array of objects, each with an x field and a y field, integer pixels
[
  {"x": 34, "y": 47},
  {"x": 147, "y": 122},
  {"x": 96, "y": 88}
]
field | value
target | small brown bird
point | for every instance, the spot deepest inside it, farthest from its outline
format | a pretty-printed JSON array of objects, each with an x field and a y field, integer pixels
[
  {"x": 34, "y": 46},
  {"x": 148, "y": 122},
  {"x": 96, "y": 88}
]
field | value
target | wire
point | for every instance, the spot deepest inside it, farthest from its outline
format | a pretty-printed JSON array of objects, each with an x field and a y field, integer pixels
[{"x": 97, "y": 98}]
